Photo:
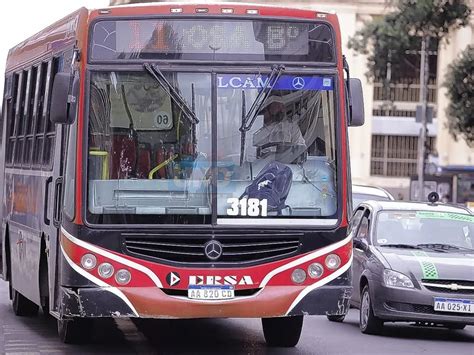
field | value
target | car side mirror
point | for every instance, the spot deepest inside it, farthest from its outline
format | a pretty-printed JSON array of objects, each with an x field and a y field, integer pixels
[
  {"x": 64, "y": 98},
  {"x": 361, "y": 244},
  {"x": 356, "y": 100}
]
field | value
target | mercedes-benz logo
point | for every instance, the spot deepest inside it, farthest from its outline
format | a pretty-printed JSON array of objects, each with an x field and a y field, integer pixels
[
  {"x": 298, "y": 83},
  {"x": 213, "y": 249}
]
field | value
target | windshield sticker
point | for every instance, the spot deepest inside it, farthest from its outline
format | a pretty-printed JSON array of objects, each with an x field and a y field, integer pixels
[
  {"x": 285, "y": 82},
  {"x": 427, "y": 267},
  {"x": 445, "y": 215},
  {"x": 252, "y": 207}
]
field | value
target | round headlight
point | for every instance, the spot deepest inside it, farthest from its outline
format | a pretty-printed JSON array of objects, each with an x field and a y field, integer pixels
[
  {"x": 315, "y": 270},
  {"x": 298, "y": 276},
  {"x": 88, "y": 261},
  {"x": 123, "y": 277},
  {"x": 106, "y": 270},
  {"x": 332, "y": 261}
]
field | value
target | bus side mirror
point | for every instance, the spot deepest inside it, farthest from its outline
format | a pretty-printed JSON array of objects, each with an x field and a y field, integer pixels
[
  {"x": 357, "y": 103},
  {"x": 64, "y": 99}
]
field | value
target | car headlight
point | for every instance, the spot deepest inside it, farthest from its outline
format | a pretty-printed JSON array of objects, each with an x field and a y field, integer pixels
[{"x": 396, "y": 279}]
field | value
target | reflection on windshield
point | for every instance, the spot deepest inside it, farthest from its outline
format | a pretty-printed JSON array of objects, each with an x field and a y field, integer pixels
[
  {"x": 284, "y": 164},
  {"x": 424, "y": 227},
  {"x": 146, "y": 157}
]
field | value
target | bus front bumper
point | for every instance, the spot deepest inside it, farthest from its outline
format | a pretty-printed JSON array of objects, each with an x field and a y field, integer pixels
[{"x": 148, "y": 302}]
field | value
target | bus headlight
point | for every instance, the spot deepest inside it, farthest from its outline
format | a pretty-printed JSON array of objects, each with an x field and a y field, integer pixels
[
  {"x": 315, "y": 270},
  {"x": 298, "y": 276},
  {"x": 332, "y": 261},
  {"x": 123, "y": 277},
  {"x": 106, "y": 270},
  {"x": 88, "y": 261}
]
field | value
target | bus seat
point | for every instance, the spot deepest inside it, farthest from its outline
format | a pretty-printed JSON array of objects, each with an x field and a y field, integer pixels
[
  {"x": 144, "y": 162},
  {"x": 123, "y": 157}
]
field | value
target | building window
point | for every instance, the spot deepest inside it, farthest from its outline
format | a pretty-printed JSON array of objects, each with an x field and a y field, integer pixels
[{"x": 396, "y": 155}]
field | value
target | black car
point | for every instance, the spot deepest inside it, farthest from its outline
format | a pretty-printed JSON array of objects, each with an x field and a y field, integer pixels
[{"x": 412, "y": 262}]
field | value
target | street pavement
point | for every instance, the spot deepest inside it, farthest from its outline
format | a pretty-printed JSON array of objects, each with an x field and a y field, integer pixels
[{"x": 37, "y": 335}]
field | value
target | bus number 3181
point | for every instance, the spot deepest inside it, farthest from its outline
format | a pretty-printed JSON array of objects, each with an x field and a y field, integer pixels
[{"x": 252, "y": 207}]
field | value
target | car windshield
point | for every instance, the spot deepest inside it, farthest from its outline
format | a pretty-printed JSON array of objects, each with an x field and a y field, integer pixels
[{"x": 424, "y": 228}]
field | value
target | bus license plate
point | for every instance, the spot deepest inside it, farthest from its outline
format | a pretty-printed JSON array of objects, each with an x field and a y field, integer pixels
[
  {"x": 456, "y": 305},
  {"x": 204, "y": 292}
]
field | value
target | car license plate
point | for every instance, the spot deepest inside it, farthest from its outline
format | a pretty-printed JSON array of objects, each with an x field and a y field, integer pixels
[
  {"x": 456, "y": 305},
  {"x": 204, "y": 292}
]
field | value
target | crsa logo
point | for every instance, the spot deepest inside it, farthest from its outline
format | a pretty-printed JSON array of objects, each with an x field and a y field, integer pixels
[{"x": 220, "y": 280}]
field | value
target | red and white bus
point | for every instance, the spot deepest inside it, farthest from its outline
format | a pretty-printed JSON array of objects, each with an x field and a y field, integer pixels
[{"x": 179, "y": 161}]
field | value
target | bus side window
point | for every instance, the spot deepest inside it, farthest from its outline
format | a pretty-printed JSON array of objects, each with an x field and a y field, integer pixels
[
  {"x": 17, "y": 147},
  {"x": 50, "y": 132},
  {"x": 11, "y": 109},
  {"x": 41, "y": 118},
  {"x": 29, "y": 109}
]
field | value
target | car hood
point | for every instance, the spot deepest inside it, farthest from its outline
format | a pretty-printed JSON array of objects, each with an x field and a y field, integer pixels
[{"x": 426, "y": 264}]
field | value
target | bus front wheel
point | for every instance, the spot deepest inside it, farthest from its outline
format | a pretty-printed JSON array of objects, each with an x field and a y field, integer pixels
[
  {"x": 74, "y": 331},
  {"x": 282, "y": 331}
]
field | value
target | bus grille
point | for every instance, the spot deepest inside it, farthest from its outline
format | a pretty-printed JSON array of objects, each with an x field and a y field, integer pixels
[{"x": 235, "y": 248}]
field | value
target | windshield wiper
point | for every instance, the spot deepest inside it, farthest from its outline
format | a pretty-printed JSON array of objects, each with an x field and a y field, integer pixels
[
  {"x": 172, "y": 92},
  {"x": 405, "y": 246},
  {"x": 443, "y": 246},
  {"x": 251, "y": 116}
]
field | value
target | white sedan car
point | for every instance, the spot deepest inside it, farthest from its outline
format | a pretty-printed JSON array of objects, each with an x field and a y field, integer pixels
[{"x": 361, "y": 193}]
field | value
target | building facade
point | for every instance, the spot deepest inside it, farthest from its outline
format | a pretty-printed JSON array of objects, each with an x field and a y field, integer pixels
[{"x": 384, "y": 151}]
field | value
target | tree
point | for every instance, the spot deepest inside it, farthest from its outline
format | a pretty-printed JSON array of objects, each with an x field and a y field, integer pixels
[
  {"x": 460, "y": 84},
  {"x": 387, "y": 40}
]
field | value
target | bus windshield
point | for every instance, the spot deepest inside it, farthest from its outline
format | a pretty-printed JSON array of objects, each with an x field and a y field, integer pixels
[{"x": 150, "y": 161}]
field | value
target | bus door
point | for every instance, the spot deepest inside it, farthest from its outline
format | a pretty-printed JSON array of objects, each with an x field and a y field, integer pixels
[{"x": 52, "y": 215}]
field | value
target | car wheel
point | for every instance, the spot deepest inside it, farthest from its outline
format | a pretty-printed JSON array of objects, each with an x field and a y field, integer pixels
[
  {"x": 456, "y": 326},
  {"x": 368, "y": 322},
  {"x": 74, "y": 331},
  {"x": 339, "y": 318},
  {"x": 282, "y": 331},
  {"x": 22, "y": 306}
]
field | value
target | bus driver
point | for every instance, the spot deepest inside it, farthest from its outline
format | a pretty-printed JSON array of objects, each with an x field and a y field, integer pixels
[{"x": 280, "y": 134}]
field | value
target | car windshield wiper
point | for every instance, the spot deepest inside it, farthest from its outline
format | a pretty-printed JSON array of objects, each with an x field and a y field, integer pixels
[
  {"x": 443, "y": 246},
  {"x": 172, "y": 92},
  {"x": 405, "y": 246}
]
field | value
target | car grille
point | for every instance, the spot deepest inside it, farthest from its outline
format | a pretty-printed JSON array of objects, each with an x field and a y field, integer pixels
[
  {"x": 236, "y": 248},
  {"x": 449, "y": 286},
  {"x": 421, "y": 308}
]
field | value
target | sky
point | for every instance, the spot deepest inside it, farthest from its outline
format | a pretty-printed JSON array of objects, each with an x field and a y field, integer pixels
[{"x": 19, "y": 19}]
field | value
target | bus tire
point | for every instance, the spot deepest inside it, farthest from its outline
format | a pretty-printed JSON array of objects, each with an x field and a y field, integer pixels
[
  {"x": 75, "y": 330},
  {"x": 282, "y": 331},
  {"x": 22, "y": 306}
]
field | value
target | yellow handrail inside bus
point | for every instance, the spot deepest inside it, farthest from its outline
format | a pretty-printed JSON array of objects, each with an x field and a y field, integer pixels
[
  {"x": 105, "y": 161},
  {"x": 159, "y": 166}
]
